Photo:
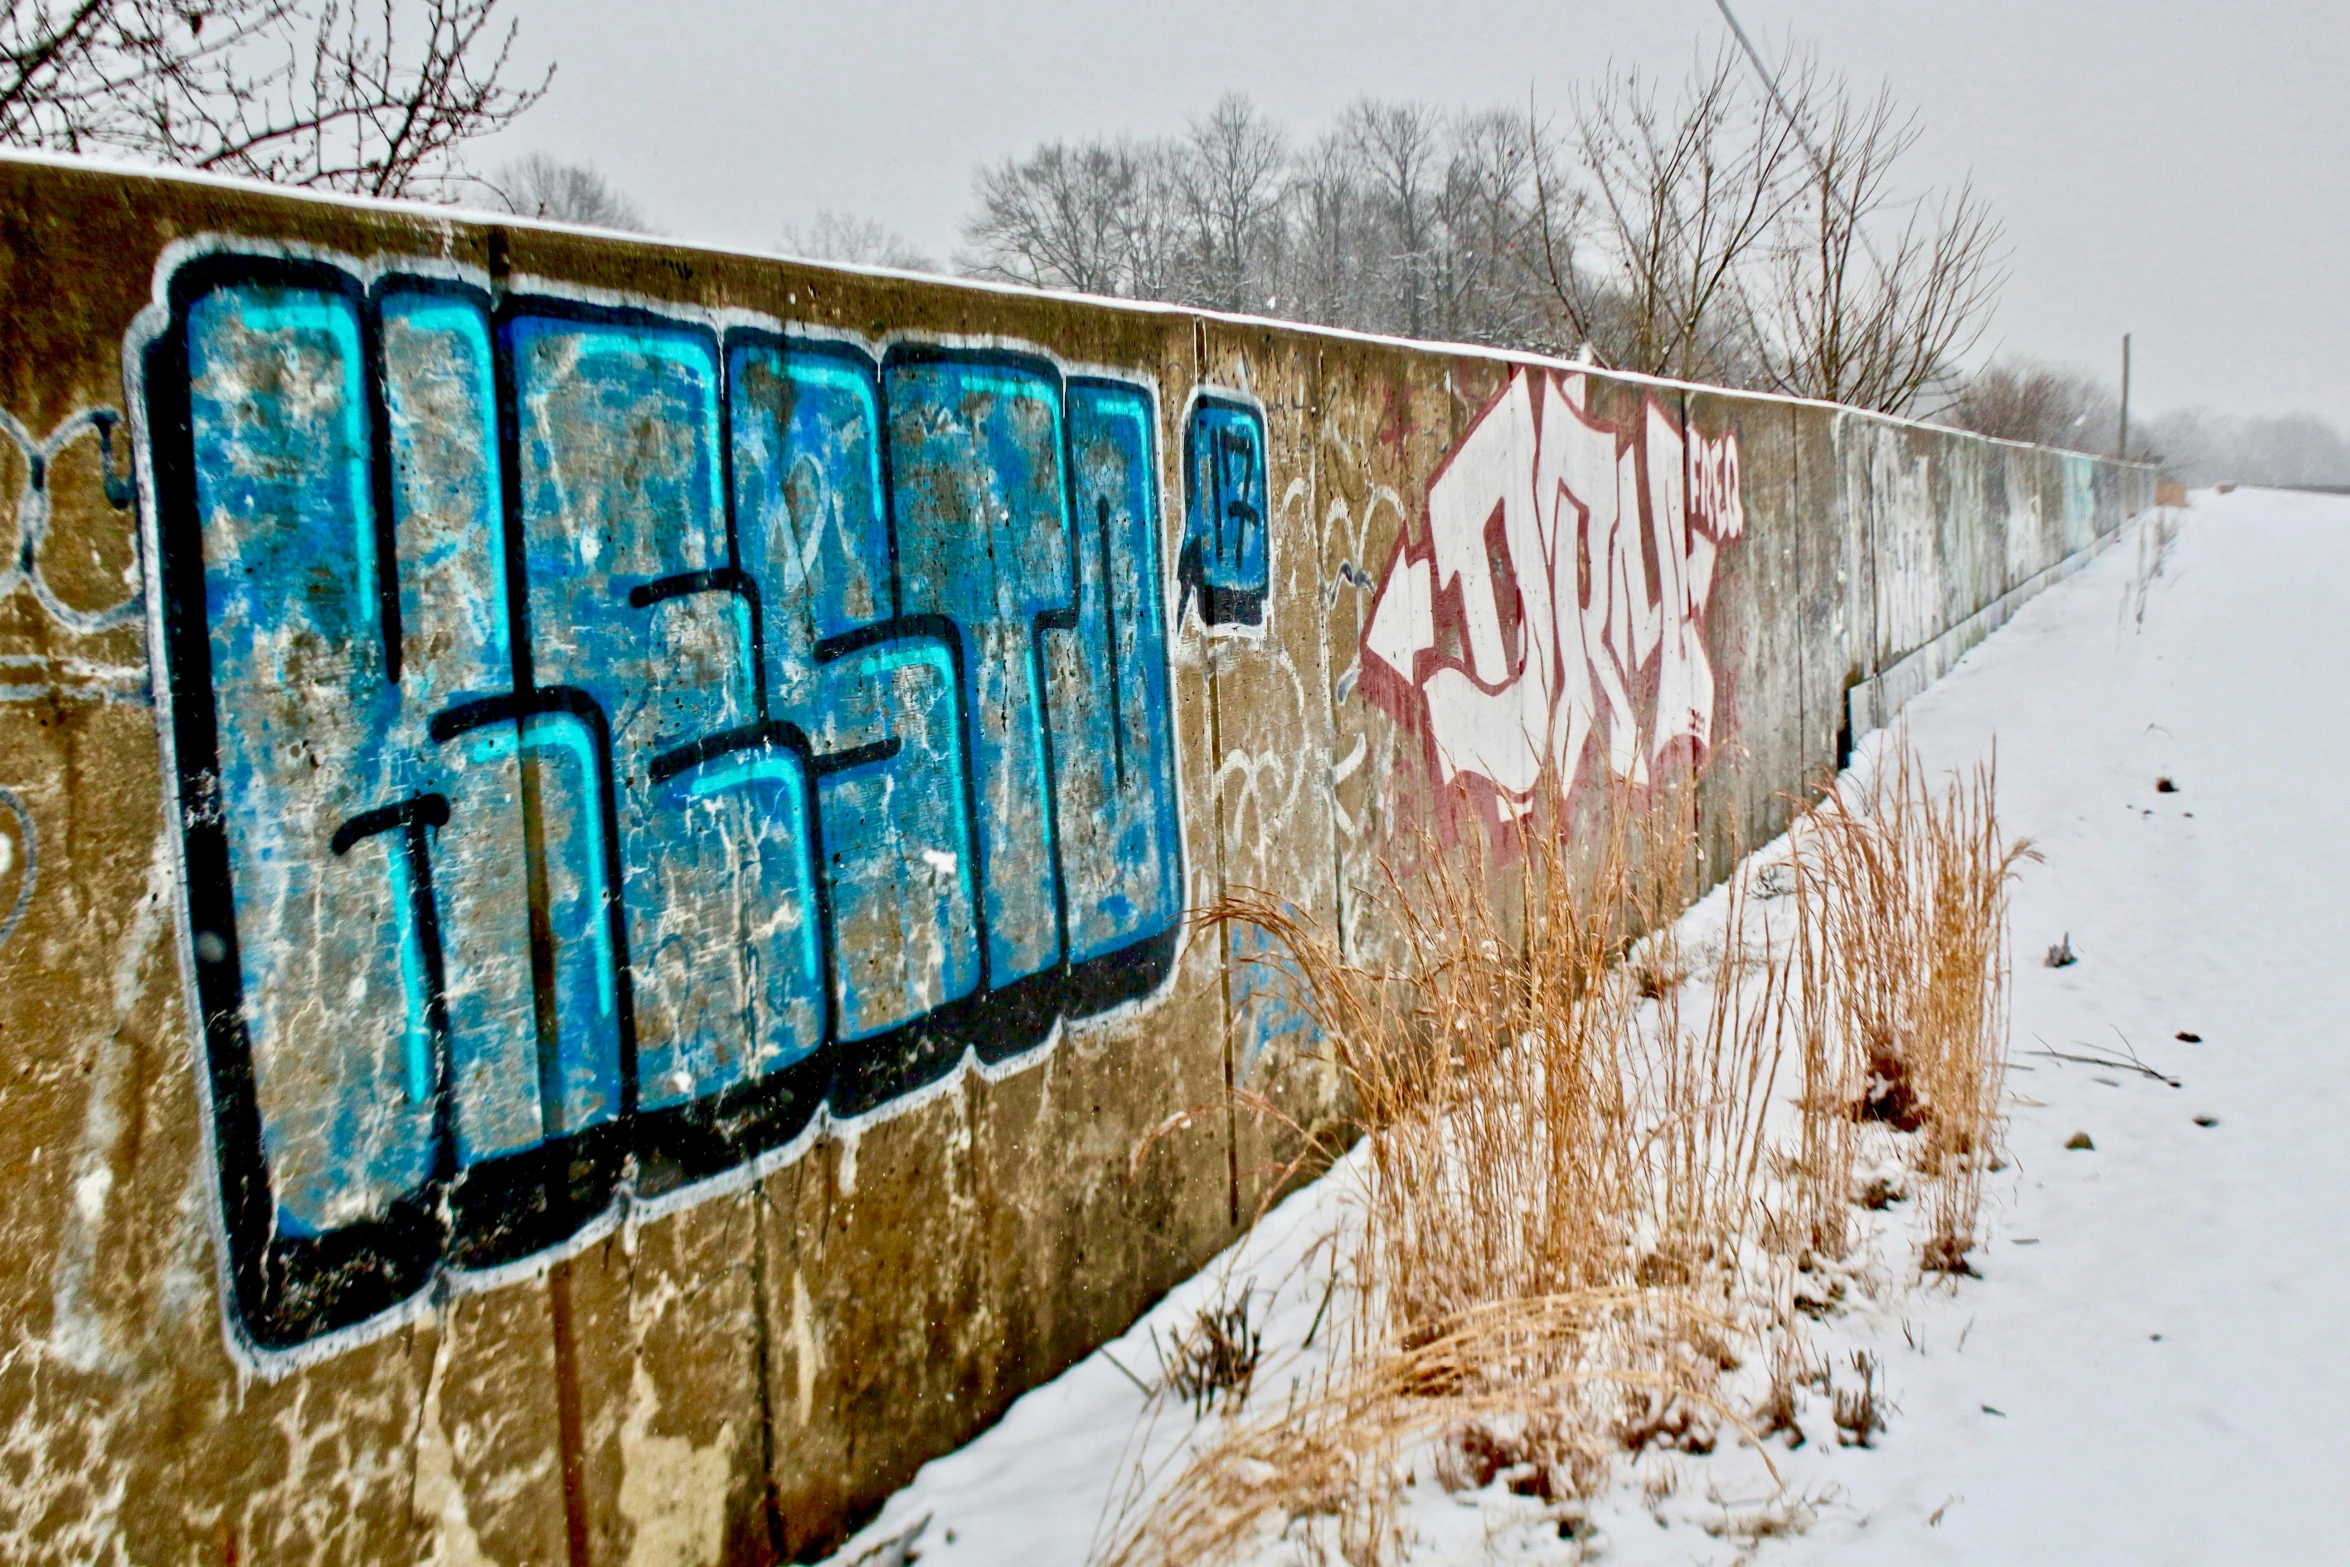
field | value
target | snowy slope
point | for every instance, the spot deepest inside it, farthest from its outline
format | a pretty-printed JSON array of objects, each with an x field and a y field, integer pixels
[{"x": 2150, "y": 1367}]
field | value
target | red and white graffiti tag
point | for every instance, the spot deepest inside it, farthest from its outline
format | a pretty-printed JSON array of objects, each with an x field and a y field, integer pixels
[{"x": 1559, "y": 593}]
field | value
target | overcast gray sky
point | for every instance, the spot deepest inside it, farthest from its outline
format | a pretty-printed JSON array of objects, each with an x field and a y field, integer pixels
[{"x": 2174, "y": 170}]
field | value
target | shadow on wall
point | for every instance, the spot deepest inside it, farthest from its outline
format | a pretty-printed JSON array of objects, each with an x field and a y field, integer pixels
[{"x": 611, "y": 742}]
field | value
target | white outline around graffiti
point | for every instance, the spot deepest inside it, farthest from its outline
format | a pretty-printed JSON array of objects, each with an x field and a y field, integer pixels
[
  {"x": 34, "y": 676},
  {"x": 32, "y": 519},
  {"x": 1189, "y": 621}
]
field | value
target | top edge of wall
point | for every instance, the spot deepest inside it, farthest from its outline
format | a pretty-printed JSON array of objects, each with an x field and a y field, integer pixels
[{"x": 433, "y": 212}]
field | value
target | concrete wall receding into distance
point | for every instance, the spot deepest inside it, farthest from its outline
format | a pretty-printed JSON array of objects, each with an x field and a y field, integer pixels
[{"x": 596, "y": 838}]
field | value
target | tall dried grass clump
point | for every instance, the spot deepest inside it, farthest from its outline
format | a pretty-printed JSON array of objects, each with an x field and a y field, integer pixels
[
  {"x": 1528, "y": 1137},
  {"x": 1556, "y": 1193},
  {"x": 1902, "y": 897},
  {"x": 1577, "y": 1210}
]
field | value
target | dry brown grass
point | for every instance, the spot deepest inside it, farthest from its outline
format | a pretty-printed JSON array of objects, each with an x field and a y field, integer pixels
[
  {"x": 1577, "y": 1213},
  {"x": 1903, "y": 893}
]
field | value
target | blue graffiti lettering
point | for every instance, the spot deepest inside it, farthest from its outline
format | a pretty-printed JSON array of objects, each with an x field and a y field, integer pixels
[{"x": 604, "y": 740}]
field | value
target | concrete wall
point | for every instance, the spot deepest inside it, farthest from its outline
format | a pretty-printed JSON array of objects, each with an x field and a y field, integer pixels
[{"x": 597, "y": 835}]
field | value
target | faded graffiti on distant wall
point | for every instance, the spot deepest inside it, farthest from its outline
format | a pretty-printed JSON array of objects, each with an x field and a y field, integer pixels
[
  {"x": 608, "y": 736},
  {"x": 1558, "y": 594}
]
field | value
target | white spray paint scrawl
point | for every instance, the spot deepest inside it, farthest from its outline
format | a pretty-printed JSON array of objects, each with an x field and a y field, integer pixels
[{"x": 1559, "y": 589}]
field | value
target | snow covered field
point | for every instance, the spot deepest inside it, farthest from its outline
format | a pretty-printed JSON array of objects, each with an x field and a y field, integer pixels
[{"x": 2150, "y": 1368}]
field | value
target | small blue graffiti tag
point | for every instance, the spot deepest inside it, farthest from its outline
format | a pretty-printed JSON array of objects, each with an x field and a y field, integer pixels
[
  {"x": 604, "y": 740},
  {"x": 1222, "y": 564}
]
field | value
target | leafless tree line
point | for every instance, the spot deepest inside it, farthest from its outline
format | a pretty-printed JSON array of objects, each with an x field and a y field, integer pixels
[
  {"x": 1722, "y": 233},
  {"x": 1714, "y": 234},
  {"x": 1399, "y": 219},
  {"x": 2199, "y": 447},
  {"x": 2055, "y": 406}
]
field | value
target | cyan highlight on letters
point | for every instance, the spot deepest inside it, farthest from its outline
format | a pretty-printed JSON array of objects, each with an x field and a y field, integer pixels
[{"x": 607, "y": 736}]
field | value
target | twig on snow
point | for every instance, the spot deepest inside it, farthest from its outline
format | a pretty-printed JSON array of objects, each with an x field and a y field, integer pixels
[{"x": 2124, "y": 1063}]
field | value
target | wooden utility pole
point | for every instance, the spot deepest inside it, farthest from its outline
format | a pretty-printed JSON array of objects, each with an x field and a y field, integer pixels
[{"x": 2124, "y": 452}]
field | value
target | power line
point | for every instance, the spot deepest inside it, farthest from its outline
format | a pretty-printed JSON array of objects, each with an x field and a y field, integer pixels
[{"x": 1771, "y": 86}]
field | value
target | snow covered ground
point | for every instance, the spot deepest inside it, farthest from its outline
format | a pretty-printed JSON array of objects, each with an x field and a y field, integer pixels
[{"x": 2150, "y": 1368}]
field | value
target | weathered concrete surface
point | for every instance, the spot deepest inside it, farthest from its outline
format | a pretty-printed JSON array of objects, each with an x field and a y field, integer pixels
[{"x": 281, "y": 1285}]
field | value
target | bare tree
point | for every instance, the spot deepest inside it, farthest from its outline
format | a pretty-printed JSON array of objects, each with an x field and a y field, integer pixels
[
  {"x": 1487, "y": 268},
  {"x": 2036, "y": 403},
  {"x": 1096, "y": 217},
  {"x": 1397, "y": 149},
  {"x": 1327, "y": 212},
  {"x": 843, "y": 236},
  {"x": 1871, "y": 296},
  {"x": 335, "y": 94},
  {"x": 1679, "y": 201},
  {"x": 1228, "y": 174},
  {"x": 540, "y": 187}
]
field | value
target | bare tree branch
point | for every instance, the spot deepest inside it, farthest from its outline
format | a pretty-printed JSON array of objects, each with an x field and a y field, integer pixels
[
  {"x": 331, "y": 94},
  {"x": 1681, "y": 199},
  {"x": 1868, "y": 323}
]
